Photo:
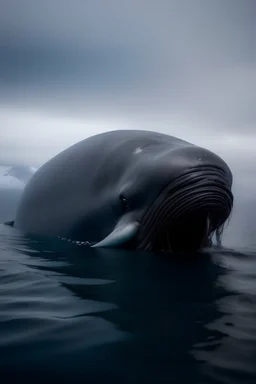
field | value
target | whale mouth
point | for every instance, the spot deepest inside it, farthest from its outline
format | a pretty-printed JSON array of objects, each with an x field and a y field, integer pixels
[
  {"x": 189, "y": 233},
  {"x": 188, "y": 212}
]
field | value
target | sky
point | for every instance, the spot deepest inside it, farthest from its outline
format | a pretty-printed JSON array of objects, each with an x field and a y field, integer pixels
[{"x": 71, "y": 69}]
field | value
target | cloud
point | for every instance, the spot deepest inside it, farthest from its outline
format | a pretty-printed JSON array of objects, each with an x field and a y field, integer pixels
[
  {"x": 72, "y": 69},
  {"x": 46, "y": 135}
]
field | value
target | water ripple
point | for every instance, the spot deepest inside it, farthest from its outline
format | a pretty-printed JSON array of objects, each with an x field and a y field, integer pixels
[{"x": 67, "y": 310}]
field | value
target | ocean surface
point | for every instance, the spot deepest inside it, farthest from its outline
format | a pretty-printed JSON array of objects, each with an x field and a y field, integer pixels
[{"x": 72, "y": 313}]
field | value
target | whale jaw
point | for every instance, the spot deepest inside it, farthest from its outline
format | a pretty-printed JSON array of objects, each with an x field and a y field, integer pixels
[{"x": 123, "y": 233}]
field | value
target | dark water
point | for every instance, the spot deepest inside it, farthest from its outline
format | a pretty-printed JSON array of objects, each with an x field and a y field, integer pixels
[{"x": 68, "y": 312}]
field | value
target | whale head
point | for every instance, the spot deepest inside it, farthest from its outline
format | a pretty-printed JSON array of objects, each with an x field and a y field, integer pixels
[{"x": 172, "y": 201}]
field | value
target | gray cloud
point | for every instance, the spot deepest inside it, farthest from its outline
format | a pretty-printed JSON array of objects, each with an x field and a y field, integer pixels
[{"x": 72, "y": 69}]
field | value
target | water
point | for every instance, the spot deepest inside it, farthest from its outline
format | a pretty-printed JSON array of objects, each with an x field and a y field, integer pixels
[{"x": 68, "y": 312}]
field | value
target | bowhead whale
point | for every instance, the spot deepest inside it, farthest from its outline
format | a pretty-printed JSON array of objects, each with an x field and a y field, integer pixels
[{"x": 132, "y": 189}]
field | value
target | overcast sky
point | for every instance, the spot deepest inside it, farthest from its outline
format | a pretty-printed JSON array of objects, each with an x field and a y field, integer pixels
[{"x": 71, "y": 69}]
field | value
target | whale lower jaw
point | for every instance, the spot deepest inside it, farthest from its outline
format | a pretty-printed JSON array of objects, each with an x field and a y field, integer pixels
[
  {"x": 123, "y": 233},
  {"x": 187, "y": 213}
]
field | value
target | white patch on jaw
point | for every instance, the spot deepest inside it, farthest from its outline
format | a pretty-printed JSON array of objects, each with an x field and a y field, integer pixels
[{"x": 137, "y": 151}]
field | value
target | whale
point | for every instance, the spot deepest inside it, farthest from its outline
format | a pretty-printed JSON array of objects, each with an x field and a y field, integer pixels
[{"x": 132, "y": 189}]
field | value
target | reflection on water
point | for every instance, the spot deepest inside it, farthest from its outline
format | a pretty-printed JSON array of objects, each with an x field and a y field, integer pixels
[{"x": 69, "y": 311}]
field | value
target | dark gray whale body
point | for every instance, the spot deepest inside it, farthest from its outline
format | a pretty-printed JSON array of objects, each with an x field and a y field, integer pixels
[{"x": 132, "y": 189}]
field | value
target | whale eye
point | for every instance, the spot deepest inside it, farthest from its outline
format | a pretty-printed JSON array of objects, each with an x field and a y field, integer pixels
[{"x": 124, "y": 202}]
